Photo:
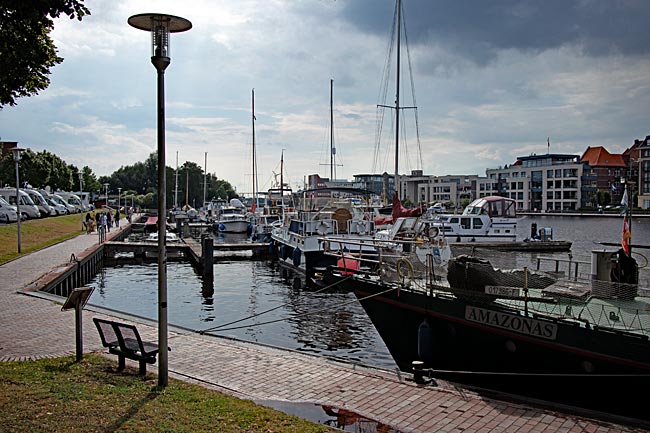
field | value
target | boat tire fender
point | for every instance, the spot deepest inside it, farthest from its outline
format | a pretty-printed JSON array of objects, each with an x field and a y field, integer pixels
[
  {"x": 404, "y": 269},
  {"x": 295, "y": 257}
]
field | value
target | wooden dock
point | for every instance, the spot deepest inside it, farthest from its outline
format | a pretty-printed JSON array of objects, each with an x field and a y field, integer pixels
[{"x": 531, "y": 246}]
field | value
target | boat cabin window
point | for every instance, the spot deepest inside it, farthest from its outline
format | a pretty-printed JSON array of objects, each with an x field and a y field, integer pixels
[
  {"x": 478, "y": 224},
  {"x": 466, "y": 223}
]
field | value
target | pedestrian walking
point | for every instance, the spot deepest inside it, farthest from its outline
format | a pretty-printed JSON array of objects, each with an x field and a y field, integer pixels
[
  {"x": 117, "y": 218},
  {"x": 109, "y": 220}
]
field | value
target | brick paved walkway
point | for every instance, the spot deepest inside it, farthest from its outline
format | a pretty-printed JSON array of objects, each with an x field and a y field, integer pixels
[{"x": 33, "y": 327}]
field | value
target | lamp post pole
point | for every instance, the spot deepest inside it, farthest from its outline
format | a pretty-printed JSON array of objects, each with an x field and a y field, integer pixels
[
  {"x": 106, "y": 194},
  {"x": 81, "y": 180},
  {"x": 16, "y": 151},
  {"x": 161, "y": 26},
  {"x": 119, "y": 197}
]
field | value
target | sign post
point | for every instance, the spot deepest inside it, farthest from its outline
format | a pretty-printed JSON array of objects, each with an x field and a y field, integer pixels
[{"x": 77, "y": 299}]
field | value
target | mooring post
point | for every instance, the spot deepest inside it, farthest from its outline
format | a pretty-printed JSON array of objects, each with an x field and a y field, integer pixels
[{"x": 207, "y": 249}]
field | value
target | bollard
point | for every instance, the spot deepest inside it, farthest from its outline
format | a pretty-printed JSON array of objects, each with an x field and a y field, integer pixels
[{"x": 207, "y": 249}]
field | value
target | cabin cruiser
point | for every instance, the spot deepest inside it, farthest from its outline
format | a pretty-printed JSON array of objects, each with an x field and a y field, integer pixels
[{"x": 486, "y": 219}]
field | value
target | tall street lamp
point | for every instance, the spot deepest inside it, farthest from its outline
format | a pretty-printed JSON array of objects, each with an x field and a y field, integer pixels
[
  {"x": 81, "y": 188},
  {"x": 16, "y": 151},
  {"x": 106, "y": 194},
  {"x": 119, "y": 197},
  {"x": 161, "y": 26}
]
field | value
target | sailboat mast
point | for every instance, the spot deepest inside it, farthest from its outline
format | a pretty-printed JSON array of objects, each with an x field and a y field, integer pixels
[
  {"x": 282, "y": 179},
  {"x": 332, "y": 150},
  {"x": 399, "y": 32},
  {"x": 176, "y": 186},
  {"x": 205, "y": 176},
  {"x": 253, "y": 152}
]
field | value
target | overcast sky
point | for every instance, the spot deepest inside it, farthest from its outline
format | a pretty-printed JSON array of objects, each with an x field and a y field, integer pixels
[{"x": 493, "y": 80}]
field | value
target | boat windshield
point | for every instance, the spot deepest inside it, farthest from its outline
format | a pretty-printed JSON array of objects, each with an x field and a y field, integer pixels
[{"x": 493, "y": 206}]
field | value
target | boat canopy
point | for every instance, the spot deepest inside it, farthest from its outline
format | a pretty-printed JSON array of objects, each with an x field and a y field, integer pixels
[{"x": 494, "y": 206}]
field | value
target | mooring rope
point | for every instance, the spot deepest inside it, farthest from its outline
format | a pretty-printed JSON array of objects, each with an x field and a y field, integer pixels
[
  {"x": 298, "y": 315},
  {"x": 269, "y": 310}
]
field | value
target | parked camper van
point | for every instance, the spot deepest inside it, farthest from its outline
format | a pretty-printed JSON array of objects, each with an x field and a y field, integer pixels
[
  {"x": 60, "y": 200},
  {"x": 43, "y": 206},
  {"x": 27, "y": 206},
  {"x": 74, "y": 200},
  {"x": 7, "y": 212},
  {"x": 59, "y": 209}
]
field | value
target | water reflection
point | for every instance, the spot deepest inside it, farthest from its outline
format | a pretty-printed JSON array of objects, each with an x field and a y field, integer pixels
[{"x": 273, "y": 302}]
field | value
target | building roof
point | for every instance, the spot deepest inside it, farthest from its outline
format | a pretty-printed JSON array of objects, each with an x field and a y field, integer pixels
[{"x": 599, "y": 157}]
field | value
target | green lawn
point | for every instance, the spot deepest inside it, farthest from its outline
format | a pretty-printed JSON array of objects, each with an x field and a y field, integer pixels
[
  {"x": 36, "y": 234},
  {"x": 61, "y": 395}
]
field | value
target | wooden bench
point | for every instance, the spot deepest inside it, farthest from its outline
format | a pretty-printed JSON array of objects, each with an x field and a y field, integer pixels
[{"x": 124, "y": 340}]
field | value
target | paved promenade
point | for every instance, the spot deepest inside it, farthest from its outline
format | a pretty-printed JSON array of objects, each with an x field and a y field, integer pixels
[{"x": 33, "y": 327}]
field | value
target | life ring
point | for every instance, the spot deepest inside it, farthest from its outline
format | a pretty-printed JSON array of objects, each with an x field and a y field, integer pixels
[
  {"x": 322, "y": 228},
  {"x": 433, "y": 232},
  {"x": 404, "y": 269},
  {"x": 363, "y": 227}
]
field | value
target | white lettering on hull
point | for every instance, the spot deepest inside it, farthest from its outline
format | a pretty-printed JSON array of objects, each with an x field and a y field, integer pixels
[{"x": 512, "y": 322}]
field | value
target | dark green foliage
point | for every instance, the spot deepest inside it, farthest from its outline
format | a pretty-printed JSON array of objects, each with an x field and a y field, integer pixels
[{"x": 26, "y": 49}]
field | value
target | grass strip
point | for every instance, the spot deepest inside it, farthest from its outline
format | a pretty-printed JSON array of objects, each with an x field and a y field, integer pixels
[
  {"x": 62, "y": 395},
  {"x": 37, "y": 234}
]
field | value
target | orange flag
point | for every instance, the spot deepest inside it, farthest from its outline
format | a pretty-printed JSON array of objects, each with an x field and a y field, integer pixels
[{"x": 627, "y": 236}]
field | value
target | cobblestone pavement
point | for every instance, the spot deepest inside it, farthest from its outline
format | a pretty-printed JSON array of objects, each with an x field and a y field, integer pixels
[{"x": 33, "y": 327}]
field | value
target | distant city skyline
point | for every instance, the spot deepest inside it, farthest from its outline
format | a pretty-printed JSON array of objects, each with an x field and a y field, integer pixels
[{"x": 493, "y": 81}]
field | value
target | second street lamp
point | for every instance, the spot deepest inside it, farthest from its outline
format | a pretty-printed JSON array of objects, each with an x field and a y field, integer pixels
[
  {"x": 16, "y": 151},
  {"x": 161, "y": 26}
]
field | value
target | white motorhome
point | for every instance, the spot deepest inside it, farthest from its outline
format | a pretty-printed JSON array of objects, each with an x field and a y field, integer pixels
[
  {"x": 43, "y": 206},
  {"x": 8, "y": 212},
  {"x": 74, "y": 200},
  {"x": 60, "y": 200},
  {"x": 27, "y": 206}
]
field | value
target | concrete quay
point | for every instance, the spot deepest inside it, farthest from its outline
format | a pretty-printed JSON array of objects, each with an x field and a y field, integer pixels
[{"x": 32, "y": 326}]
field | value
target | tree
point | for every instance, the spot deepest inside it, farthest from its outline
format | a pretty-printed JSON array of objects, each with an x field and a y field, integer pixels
[{"x": 26, "y": 49}]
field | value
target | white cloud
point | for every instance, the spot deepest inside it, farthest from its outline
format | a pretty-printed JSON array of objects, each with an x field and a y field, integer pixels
[{"x": 100, "y": 108}]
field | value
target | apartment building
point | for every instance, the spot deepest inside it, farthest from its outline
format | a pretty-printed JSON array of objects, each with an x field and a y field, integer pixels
[{"x": 643, "y": 164}]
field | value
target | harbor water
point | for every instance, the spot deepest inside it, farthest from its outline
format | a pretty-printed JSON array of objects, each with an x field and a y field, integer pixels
[{"x": 261, "y": 302}]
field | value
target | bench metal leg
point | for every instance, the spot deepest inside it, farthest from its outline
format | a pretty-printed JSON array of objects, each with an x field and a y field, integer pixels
[
  {"x": 143, "y": 368},
  {"x": 121, "y": 362}
]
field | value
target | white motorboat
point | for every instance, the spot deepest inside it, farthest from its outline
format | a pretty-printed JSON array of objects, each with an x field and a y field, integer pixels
[
  {"x": 169, "y": 237},
  {"x": 486, "y": 219}
]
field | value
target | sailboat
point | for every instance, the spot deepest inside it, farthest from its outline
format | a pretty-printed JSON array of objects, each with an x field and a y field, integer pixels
[
  {"x": 278, "y": 197},
  {"x": 327, "y": 219}
]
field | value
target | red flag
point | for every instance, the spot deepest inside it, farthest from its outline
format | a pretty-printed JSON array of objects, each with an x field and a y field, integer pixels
[{"x": 627, "y": 236}]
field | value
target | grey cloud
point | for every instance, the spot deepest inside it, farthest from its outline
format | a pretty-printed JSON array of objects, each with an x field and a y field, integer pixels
[{"x": 478, "y": 29}]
